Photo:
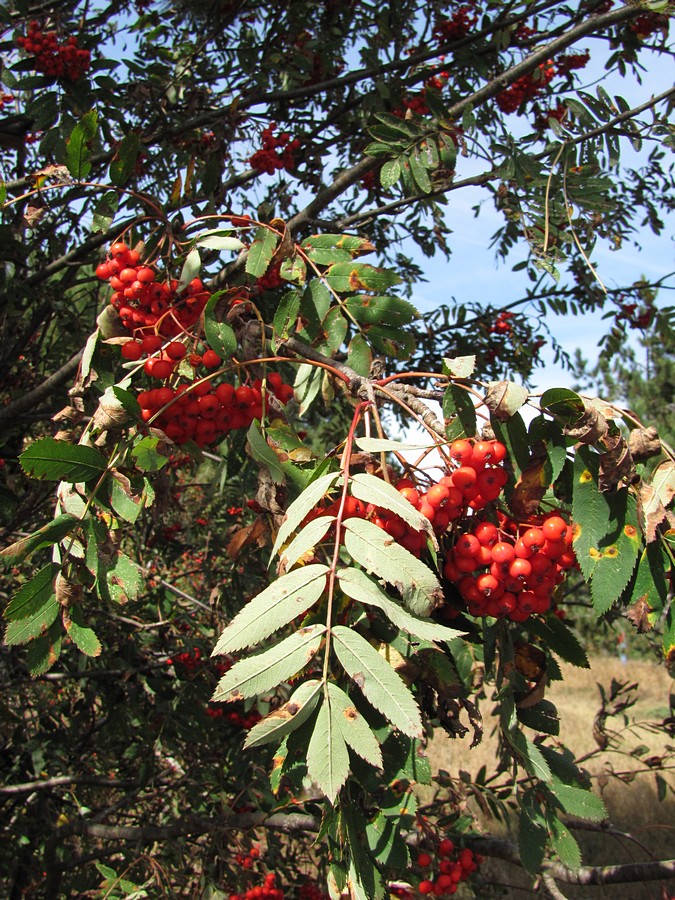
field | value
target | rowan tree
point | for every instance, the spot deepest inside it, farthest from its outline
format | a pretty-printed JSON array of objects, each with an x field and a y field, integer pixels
[{"x": 228, "y": 432}]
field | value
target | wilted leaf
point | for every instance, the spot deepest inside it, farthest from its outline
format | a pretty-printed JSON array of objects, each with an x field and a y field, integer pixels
[
  {"x": 504, "y": 398},
  {"x": 589, "y": 428},
  {"x": 644, "y": 443},
  {"x": 616, "y": 464},
  {"x": 255, "y": 533},
  {"x": 529, "y": 490}
]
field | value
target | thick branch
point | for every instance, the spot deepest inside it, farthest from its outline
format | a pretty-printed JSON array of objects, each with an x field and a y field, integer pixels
[
  {"x": 30, "y": 400},
  {"x": 627, "y": 873}
]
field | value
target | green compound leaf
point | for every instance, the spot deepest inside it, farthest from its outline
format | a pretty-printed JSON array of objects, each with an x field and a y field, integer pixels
[
  {"x": 563, "y": 843},
  {"x": 380, "y": 554},
  {"x": 607, "y": 537},
  {"x": 532, "y": 838},
  {"x": 390, "y": 173},
  {"x": 353, "y": 727},
  {"x": 285, "y": 599},
  {"x": 306, "y": 539},
  {"x": 357, "y": 585},
  {"x": 531, "y": 755},
  {"x": 562, "y": 403},
  {"x": 287, "y": 718},
  {"x": 32, "y": 596},
  {"x": 219, "y": 334},
  {"x": 261, "y": 252},
  {"x": 80, "y": 634},
  {"x": 348, "y": 277},
  {"x": 327, "y": 754},
  {"x": 45, "y": 650},
  {"x": 578, "y": 801},
  {"x": 359, "y": 355},
  {"x": 378, "y": 492},
  {"x": 60, "y": 461},
  {"x": 379, "y": 683},
  {"x": 302, "y": 506},
  {"x": 124, "y": 161},
  {"x": 459, "y": 413},
  {"x": 78, "y": 146},
  {"x": 263, "y": 453},
  {"x": 392, "y": 311},
  {"x": 46, "y": 536},
  {"x": 267, "y": 670},
  {"x": 21, "y": 631}
]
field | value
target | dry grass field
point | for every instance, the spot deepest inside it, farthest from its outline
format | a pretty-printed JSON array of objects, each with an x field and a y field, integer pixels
[{"x": 633, "y": 807}]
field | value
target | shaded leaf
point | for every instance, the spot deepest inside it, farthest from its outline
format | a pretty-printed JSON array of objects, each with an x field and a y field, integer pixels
[
  {"x": 264, "y": 671},
  {"x": 357, "y": 585},
  {"x": 219, "y": 334},
  {"x": 285, "y": 599},
  {"x": 60, "y": 461},
  {"x": 459, "y": 412},
  {"x": 377, "y": 552},
  {"x": 379, "y": 683},
  {"x": 51, "y": 533},
  {"x": 81, "y": 635},
  {"x": 287, "y": 718}
]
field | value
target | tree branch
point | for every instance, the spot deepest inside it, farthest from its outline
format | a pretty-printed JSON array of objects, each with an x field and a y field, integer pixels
[{"x": 30, "y": 400}]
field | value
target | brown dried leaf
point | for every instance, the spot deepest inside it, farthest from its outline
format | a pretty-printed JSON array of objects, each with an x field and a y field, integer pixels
[
  {"x": 504, "y": 398},
  {"x": 256, "y": 533},
  {"x": 638, "y": 614},
  {"x": 651, "y": 512},
  {"x": 34, "y": 212},
  {"x": 644, "y": 443},
  {"x": 68, "y": 593},
  {"x": 616, "y": 464},
  {"x": 590, "y": 427},
  {"x": 529, "y": 490},
  {"x": 530, "y": 661}
]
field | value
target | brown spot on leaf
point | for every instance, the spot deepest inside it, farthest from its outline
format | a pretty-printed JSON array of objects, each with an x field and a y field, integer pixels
[
  {"x": 630, "y": 531},
  {"x": 350, "y": 713},
  {"x": 594, "y": 553},
  {"x": 610, "y": 552},
  {"x": 585, "y": 477}
]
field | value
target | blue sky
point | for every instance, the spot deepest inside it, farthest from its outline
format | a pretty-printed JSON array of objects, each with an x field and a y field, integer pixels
[{"x": 473, "y": 272}]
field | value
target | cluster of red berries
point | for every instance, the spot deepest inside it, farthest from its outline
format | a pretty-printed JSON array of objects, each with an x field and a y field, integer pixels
[
  {"x": 457, "y": 27},
  {"x": 66, "y": 60},
  {"x": 502, "y": 324},
  {"x": 647, "y": 23},
  {"x": 264, "y": 891},
  {"x": 526, "y": 87},
  {"x": 558, "y": 113},
  {"x": 636, "y": 316},
  {"x": 146, "y": 304},
  {"x": 5, "y": 100},
  {"x": 523, "y": 33},
  {"x": 477, "y": 480},
  {"x": 271, "y": 279},
  {"x": 277, "y": 152},
  {"x": 196, "y": 411},
  {"x": 452, "y": 867},
  {"x": 512, "y": 570},
  {"x": 565, "y": 64},
  {"x": 188, "y": 660}
]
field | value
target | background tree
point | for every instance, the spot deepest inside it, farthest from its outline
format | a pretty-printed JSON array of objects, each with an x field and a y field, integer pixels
[{"x": 195, "y": 353}]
